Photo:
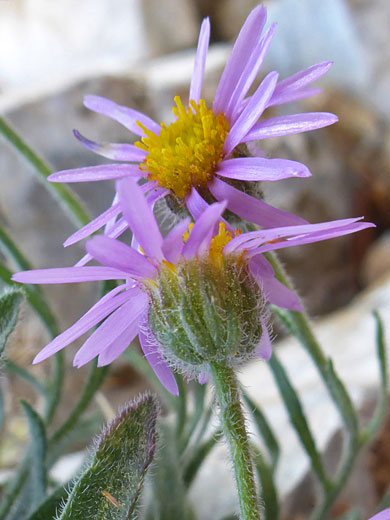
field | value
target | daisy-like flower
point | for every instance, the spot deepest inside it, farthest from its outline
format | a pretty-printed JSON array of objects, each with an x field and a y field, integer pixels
[
  {"x": 194, "y": 297},
  {"x": 202, "y": 152}
]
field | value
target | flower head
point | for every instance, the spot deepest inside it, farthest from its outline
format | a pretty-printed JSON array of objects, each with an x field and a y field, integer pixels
[
  {"x": 201, "y": 280},
  {"x": 198, "y": 156}
]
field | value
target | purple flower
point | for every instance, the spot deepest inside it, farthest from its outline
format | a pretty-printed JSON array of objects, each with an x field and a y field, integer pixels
[
  {"x": 125, "y": 309},
  {"x": 383, "y": 515},
  {"x": 200, "y": 155}
]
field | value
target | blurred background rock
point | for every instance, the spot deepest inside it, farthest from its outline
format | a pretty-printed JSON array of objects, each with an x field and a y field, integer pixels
[{"x": 140, "y": 53}]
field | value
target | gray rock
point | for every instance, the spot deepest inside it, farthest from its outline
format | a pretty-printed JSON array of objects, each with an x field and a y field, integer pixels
[{"x": 170, "y": 25}]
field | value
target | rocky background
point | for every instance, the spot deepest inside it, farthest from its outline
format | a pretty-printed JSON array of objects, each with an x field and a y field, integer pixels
[{"x": 139, "y": 53}]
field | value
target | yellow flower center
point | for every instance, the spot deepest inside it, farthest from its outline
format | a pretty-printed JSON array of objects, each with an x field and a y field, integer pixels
[
  {"x": 218, "y": 242},
  {"x": 186, "y": 152}
]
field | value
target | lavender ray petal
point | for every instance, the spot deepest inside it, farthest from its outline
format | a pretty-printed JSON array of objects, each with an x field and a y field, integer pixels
[
  {"x": 246, "y": 40},
  {"x": 279, "y": 294},
  {"x": 120, "y": 256},
  {"x": 121, "y": 343},
  {"x": 196, "y": 204},
  {"x": 264, "y": 348},
  {"x": 115, "y": 151},
  {"x": 203, "y": 229},
  {"x": 97, "y": 173},
  {"x": 200, "y": 61},
  {"x": 114, "y": 219},
  {"x": 252, "y": 209},
  {"x": 267, "y": 239},
  {"x": 124, "y": 115},
  {"x": 288, "y": 96},
  {"x": 254, "y": 62},
  {"x": 156, "y": 194},
  {"x": 140, "y": 218},
  {"x": 291, "y": 124},
  {"x": 111, "y": 329},
  {"x": 83, "y": 260},
  {"x": 260, "y": 267},
  {"x": 94, "y": 225},
  {"x": 114, "y": 228},
  {"x": 251, "y": 113},
  {"x": 301, "y": 79},
  {"x": 261, "y": 169},
  {"x": 317, "y": 237},
  {"x": 69, "y": 275},
  {"x": 173, "y": 243},
  {"x": 158, "y": 363},
  {"x": 97, "y": 313},
  {"x": 382, "y": 515}
]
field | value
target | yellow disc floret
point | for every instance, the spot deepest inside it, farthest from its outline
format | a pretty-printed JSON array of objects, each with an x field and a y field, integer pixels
[
  {"x": 218, "y": 242},
  {"x": 187, "y": 151}
]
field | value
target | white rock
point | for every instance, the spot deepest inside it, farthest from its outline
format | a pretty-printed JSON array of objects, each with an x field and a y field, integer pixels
[{"x": 45, "y": 42}]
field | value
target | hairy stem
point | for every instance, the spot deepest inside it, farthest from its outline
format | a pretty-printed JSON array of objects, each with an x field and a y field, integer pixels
[{"x": 233, "y": 425}]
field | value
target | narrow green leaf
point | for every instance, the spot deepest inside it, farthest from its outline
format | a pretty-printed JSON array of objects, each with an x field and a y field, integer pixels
[
  {"x": 381, "y": 407},
  {"x": 13, "y": 368},
  {"x": 169, "y": 494},
  {"x": 9, "y": 308},
  {"x": 1, "y": 410},
  {"x": 269, "y": 494},
  {"x": 197, "y": 457},
  {"x": 298, "y": 325},
  {"x": 38, "y": 449},
  {"x": 264, "y": 429},
  {"x": 9, "y": 246},
  {"x": 297, "y": 417},
  {"x": 110, "y": 487},
  {"x": 340, "y": 393},
  {"x": 35, "y": 299},
  {"x": 68, "y": 199},
  {"x": 48, "y": 509},
  {"x": 198, "y": 394}
]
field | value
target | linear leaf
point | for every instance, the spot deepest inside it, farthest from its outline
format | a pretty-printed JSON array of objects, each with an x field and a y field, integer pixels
[
  {"x": 381, "y": 407},
  {"x": 198, "y": 455},
  {"x": 10, "y": 301},
  {"x": 264, "y": 429},
  {"x": 48, "y": 509},
  {"x": 269, "y": 494},
  {"x": 38, "y": 450},
  {"x": 68, "y": 199},
  {"x": 297, "y": 417},
  {"x": 12, "y": 367},
  {"x": 169, "y": 494}
]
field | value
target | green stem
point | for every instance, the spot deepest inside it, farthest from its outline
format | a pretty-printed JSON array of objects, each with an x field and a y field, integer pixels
[
  {"x": 67, "y": 198},
  {"x": 233, "y": 425}
]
